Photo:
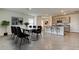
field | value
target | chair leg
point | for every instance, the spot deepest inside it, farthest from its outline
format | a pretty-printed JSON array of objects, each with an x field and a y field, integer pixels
[
  {"x": 37, "y": 36},
  {"x": 16, "y": 40},
  {"x": 12, "y": 37},
  {"x": 19, "y": 41},
  {"x": 27, "y": 40},
  {"x": 23, "y": 41}
]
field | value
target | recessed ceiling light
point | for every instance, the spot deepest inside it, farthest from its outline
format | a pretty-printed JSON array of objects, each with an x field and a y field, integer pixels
[
  {"x": 30, "y": 8},
  {"x": 62, "y": 11}
]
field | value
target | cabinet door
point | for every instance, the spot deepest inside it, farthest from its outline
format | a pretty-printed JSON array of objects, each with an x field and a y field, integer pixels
[
  {"x": 67, "y": 20},
  {"x": 67, "y": 28},
  {"x": 63, "y": 19},
  {"x": 54, "y": 20}
]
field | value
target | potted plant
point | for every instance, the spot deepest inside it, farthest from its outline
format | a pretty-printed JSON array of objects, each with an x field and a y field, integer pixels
[{"x": 4, "y": 24}]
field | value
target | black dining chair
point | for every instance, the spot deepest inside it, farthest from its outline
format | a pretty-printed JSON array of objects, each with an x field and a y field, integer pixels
[
  {"x": 30, "y": 26},
  {"x": 40, "y": 27},
  {"x": 14, "y": 32},
  {"x": 34, "y": 26},
  {"x": 34, "y": 29},
  {"x": 23, "y": 38},
  {"x": 12, "y": 29},
  {"x": 37, "y": 31}
]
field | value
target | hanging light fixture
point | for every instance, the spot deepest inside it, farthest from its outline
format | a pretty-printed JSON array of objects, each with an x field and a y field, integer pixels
[{"x": 63, "y": 12}]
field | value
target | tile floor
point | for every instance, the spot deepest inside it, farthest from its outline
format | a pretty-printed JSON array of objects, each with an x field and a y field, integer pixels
[{"x": 46, "y": 42}]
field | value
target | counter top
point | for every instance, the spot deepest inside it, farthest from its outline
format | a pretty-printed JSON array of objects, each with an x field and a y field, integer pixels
[{"x": 57, "y": 29}]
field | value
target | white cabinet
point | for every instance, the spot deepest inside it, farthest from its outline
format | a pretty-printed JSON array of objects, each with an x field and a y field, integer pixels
[
  {"x": 67, "y": 28},
  {"x": 62, "y": 19}
]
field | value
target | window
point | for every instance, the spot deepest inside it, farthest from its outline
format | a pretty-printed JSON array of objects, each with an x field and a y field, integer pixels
[
  {"x": 17, "y": 20},
  {"x": 31, "y": 21}
]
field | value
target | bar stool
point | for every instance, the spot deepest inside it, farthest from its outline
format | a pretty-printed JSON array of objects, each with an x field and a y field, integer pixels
[{"x": 57, "y": 30}]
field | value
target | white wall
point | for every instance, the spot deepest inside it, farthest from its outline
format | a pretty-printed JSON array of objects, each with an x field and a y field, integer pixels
[
  {"x": 39, "y": 20},
  {"x": 6, "y": 15},
  {"x": 74, "y": 25},
  {"x": 32, "y": 19}
]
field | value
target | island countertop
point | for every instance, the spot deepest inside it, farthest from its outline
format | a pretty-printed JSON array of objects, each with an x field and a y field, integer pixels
[{"x": 56, "y": 29}]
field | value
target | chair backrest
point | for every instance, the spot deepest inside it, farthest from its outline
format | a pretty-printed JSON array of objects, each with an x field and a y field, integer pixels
[
  {"x": 34, "y": 26},
  {"x": 19, "y": 31},
  {"x": 12, "y": 29},
  {"x": 15, "y": 30},
  {"x": 39, "y": 29},
  {"x": 30, "y": 26}
]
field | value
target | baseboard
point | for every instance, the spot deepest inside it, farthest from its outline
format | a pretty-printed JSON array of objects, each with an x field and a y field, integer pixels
[
  {"x": 71, "y": 32},
  {"x": 3, "y": 34}
]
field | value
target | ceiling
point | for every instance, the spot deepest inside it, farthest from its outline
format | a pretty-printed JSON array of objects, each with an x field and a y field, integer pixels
[{"x": 44, "y": 11}]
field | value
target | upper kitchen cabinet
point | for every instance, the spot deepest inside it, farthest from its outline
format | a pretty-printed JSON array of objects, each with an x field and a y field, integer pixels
[{"x": 61, "y": 19}]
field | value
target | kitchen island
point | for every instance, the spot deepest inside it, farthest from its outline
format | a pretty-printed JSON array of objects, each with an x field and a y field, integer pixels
[{"x": 56, "y": 29}]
